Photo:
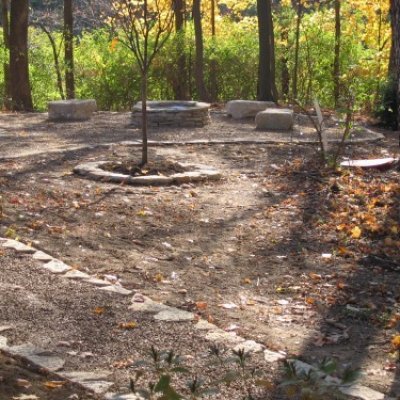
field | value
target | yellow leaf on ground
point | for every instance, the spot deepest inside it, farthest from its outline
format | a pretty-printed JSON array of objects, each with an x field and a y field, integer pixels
[
  {"x": 99, "y": 310},
  {"x": 356, "y": 232},
  {"x": 396, "y": 342}
]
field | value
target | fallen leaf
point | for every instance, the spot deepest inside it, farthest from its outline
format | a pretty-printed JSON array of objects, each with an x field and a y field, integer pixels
[
  {"x": 158, "y": 277},
  {"x": 99, "y": 310},
  {"x": 127, "y": 325},
  {"x": 356, "y": 232},
  {"x": 310, "y": 300},
  {"x": 247, "y": 281},
  {"x": 54, "y": 384},
  {"x": 314, "y": 276},
  {"x": 201, "y": 305},
  {"x": 396, "y": 342}
]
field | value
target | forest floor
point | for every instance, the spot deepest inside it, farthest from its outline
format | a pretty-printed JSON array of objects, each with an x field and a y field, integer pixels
[{"x": 280, "y": 251}]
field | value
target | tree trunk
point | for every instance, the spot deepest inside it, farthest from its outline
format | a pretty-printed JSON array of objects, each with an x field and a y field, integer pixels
[
  {"x": 180, "y": 84},
  {"x": 297, "y": 48},
  {"x": 266, "y": 68},
  {"x": 213, "y": 62},
  {"x": 395, "y": 22},
  {"x": 56, "y": 60},
  {"x": 199, "y": 57},
  {"x": 144, "y": 118},
  {"x": 19, "y": 66},
  {"x": 5, "y": 9},
  {"x": 336, "y": 62},
  {"x": 69, "y": 49}
]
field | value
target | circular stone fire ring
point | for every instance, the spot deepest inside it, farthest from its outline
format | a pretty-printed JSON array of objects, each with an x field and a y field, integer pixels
[
  {"x": 167, "y": 113},
  {"x": 192, "y": 173}
]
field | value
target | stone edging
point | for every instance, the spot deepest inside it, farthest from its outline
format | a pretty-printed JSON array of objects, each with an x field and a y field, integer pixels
[
  {"x": 100, "y": 381},
  {"x": 195, "y": 173}
]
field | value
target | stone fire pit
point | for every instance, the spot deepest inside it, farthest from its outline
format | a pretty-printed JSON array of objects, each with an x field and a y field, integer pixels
[{"x": 172, "y": 113}]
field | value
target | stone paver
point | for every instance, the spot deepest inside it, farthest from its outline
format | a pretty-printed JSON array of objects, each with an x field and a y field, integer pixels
[
  {"x": 71, "y": 110},
  {"x": 174, "y": 315},
  {"x": 275, "y": 119},
  {"x": 56, "y": 266},
  {"x": 238, "y": 109}
]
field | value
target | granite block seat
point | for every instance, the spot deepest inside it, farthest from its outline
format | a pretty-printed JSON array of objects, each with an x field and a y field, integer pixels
[
  {"x": 71, "y": 110},
  {"x": 275, "y": 119},
  {"x": 239, "y": 109}
]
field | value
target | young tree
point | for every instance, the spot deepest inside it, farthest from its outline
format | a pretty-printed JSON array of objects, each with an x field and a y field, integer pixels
[
  {"x": 143, "y": 27},
  {"x": 20, "y": 89},
  {"x": 266, "y": 67},
  {"x": 299, "y": 11},
  {"x": 199, "y": 59},
  {"x": 69, "y": 49}
]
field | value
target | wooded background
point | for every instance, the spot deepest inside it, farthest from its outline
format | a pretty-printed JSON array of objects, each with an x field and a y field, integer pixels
[{"x": 218, "y": 50}]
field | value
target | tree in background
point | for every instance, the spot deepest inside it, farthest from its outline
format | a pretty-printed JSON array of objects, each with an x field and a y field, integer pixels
[
  {"x": 266, "y": 68},
  {"x": 395, "y": 22},
  {"x": 69, "y": 49},
  {"x": 199, "y": 58},
  {"x": 5, "y": 10},
  {"x": 143, "y": 27},
  {"x": 336, "y": 62},
  {"x": 20, "y": 90},
  {"x": 180, "y": 85}
]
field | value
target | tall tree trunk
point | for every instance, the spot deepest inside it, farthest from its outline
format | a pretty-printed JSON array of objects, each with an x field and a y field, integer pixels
[
  {"x": 199, "y": 57},
  {"x": 213, "y": 61},
  {"x": 5, "y": 9},
  {"x": 336, "y": 62},
  {"x": 297, "y": 48},
  {"x": 266, "y": 68},
  {"x": 69, "y": 49},
  {"x": 180, "y": 84},
  {"x": 19, "y": 67},
  {"x": 395, "y": 22}
]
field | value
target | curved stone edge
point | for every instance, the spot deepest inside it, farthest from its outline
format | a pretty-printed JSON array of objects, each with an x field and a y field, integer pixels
[
  {"x": 96, "y": 382},
  {"x": 199, "y": 173},
  {"x": 194, "y": 105}
]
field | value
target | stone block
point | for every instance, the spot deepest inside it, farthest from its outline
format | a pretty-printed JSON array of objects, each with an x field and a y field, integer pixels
[
  {"x": 238, "y": 109},
  {"x": 71, "y": 110},
  {"x": 275, "y": 119}
]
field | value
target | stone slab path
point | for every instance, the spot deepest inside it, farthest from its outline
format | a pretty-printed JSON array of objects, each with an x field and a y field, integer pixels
[{"x": 100, "y": 381}]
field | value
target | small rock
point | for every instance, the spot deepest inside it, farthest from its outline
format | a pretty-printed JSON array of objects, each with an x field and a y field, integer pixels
[
  {"x": 147, "y": 305},
  {"x": 97, "y": 282},
  {"x": 116, "y": 396},
  {"x": 4, "y": 328},
  {"x": 3, "y": 342},
  {"x": 362, "y": 392},
  {"x": 227, "y": 338}
]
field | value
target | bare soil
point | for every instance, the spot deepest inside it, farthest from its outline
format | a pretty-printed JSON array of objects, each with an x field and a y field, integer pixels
[{"x": 310, "y": 258}]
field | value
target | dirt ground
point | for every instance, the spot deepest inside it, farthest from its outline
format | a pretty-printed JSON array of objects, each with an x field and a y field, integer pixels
[{"x": 307, "y": 260}]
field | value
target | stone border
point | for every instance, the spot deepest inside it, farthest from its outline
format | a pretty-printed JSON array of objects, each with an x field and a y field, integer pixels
[
  {"x": 99, "y": 382},
  {"x": 195, "y": 173}
]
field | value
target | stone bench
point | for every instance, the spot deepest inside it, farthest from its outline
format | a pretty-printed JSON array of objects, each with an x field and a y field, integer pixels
[
  {"x": 71, "y": 110},
  {"x": 238, "y": 109},
  {"x": 275, "y": 119}
]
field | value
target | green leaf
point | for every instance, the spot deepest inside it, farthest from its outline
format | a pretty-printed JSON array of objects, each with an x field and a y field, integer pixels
[{"x": 163, "y": 383}]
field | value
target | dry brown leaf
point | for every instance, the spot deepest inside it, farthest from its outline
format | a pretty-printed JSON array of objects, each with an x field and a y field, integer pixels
[
  {"x": 99, "y": 310},
  {"x": 201, "y": 305},
  {"x": 54, "y": 384},
  {"x": 128, "y": 325}
]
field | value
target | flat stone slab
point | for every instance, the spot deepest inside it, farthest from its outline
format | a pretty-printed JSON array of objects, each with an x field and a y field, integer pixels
[
  {"x": 239, "y": 109},
  {"x": 174, "y": 315},
  {"x": 227, "y": 338},
  {"x": 275, "y": 119},
  {"x": 42, "y": 256},
  {"x": 76, "y": 274},
  {"x": 3, "y": 342},
  {"x": 94, "y": 381},
  {"x": 250, "y": 346},
  {"x": 194, "y": 173},
  {"x": 18, "y": 246},
  {"x": 57, "y": 267},
  {"x": 43, "y": 359},
  {"x": 71, "y": 110},
  {"x": 144, "y": 304},
  {"x": 273, "y": 356},
  {"x": 116, "y": 289},
  {"x": 127, "y": 396}
]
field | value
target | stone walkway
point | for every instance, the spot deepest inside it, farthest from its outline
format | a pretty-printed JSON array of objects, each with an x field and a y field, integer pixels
[{"x": 100, "y": 382}]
